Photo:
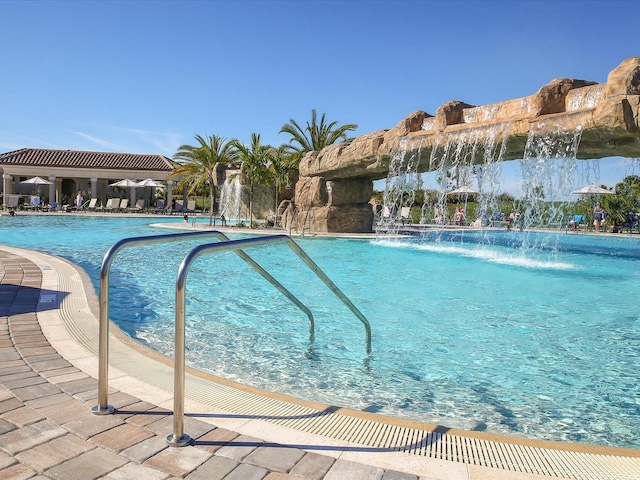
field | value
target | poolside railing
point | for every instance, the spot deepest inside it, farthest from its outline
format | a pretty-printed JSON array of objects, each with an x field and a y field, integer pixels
[
  {"x": 103, "y": 406},
  {"x": 179, "y": 438}
]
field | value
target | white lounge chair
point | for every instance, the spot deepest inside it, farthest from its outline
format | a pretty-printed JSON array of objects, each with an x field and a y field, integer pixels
[
  {"x": 91, "y": 205},
  {"x": 111, "y": 205},
  {"x": 405, "y": 215}
]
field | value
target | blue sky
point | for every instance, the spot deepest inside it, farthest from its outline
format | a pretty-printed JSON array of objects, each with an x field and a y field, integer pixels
[{"x": 146, "y": 76}]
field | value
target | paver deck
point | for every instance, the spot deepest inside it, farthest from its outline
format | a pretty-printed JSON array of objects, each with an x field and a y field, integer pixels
[{"x": 48, "y": 371}]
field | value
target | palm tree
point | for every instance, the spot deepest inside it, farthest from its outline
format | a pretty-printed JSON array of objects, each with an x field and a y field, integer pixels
[
  {"x": 198, "y": 164},
  {"x": 255, "y": 159},
  {"x": 315, "y": 136}
]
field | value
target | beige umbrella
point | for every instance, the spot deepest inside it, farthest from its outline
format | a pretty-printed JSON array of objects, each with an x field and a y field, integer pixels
[
  {"x": 461, "y": 190},
  {"x": 127, "y": 182},
  {"x": 150, "y": 182},
  {"x": 592, "y": 189},
  {"x": 37, "y": 181}
]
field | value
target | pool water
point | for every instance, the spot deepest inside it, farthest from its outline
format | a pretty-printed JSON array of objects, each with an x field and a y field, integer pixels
[{"x": 520, "y": 333}]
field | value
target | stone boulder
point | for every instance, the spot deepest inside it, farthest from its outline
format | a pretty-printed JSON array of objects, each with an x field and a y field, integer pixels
[
  {"x": 358, "y": 157},
  {"x": 552, "y": 97},
  {"x": 310, "y": 192},
  {"x": 343, "y": 219},
  {"x": 411, "y": 123},
  {"x": 625, "y": 79},
  {"x": 346, "y": 192},
  {"x": 450, "y": 113}
]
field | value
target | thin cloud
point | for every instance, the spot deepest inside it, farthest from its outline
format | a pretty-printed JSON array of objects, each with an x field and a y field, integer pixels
[
  {"x": 165, "y": 143},
  {"x": 99, "y": 141}
]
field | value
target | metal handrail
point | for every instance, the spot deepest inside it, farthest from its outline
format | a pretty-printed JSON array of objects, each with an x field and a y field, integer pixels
[
  {"x": 178, "y": 438},
  {"x": 103, "y": 407}
]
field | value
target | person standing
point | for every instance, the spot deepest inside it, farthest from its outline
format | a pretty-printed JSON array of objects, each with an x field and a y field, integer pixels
[{"x": 598, "y": 214}]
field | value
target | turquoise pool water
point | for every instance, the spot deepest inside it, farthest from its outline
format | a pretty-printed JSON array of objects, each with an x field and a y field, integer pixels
[{"x": 514, "y": 332}]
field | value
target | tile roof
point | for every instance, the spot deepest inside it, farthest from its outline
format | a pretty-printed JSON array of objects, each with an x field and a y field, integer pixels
[{"x": 77, "y": 159}]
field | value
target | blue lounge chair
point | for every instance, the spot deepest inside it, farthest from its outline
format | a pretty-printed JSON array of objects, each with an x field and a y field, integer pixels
[{"x": 574, "y": 223}]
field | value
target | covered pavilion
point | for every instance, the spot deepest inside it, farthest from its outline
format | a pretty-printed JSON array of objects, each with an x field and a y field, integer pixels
[{"x": 71, "y": 171}]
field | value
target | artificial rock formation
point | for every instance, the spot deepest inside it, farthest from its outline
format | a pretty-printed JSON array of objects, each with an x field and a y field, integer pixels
[{"x": 330, "y": 195}]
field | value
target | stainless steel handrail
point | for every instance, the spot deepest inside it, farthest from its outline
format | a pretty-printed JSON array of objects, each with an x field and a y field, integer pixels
[
  {"x": 178, "y": 438},
  {"x": 103, "y": 407}
]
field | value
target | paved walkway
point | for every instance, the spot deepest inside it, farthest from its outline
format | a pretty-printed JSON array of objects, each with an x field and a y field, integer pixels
[{"x": 48, "y": 386}]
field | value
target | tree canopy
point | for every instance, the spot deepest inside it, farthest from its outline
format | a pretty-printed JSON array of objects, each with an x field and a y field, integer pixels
[
  {"x": 198, "y": 163},
  {"x": 315, "y": 136}
]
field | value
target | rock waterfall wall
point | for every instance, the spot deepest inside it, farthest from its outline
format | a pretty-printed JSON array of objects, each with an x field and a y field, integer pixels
[{"x": 336, "y": 183}]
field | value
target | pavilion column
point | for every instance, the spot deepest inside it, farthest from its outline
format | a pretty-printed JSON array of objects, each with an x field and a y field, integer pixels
[
  {"x": 6, "y": 189},
  {"x": 169, "y": 193},
  {"x": 103, "y": 192},
  {"x": 52, "y": 189},
  {"x": 58, "y": 194},
  {"x": 94, "y": 187}
]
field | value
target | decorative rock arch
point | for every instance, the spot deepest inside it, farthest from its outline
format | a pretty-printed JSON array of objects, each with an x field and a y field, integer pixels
[{"x": 336, "y": 183}]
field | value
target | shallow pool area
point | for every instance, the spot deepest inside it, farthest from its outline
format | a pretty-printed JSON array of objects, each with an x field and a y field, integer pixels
[{"x": 509, "y": 332}]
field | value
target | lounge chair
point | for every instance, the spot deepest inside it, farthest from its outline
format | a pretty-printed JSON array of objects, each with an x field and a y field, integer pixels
[
  {"x": 124, "y": 203},
  {"x": 34, "y": 203},
  {"x": 112, "y": 204},
  {"x": 11, "y": 201},
  {"x": 574, "y": 222},
  {"x": 385, "y": 215},
  {"x": 159, "y": 208},
  {"x": 178, "y": 208},
  {"x": 138, "y": 207},
  {"x": 91, "y": 205},
  {"x": 191, "y": 206},
  {"x": 405, "y": 215},
  {"x": 86, "y": 205}
]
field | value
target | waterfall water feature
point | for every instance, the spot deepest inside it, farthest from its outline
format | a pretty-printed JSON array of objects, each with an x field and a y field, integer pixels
[
  {"x": 231, "y": 198},
  {"x": 549, "y": 171},
  {"x": 451, "y": 166}
]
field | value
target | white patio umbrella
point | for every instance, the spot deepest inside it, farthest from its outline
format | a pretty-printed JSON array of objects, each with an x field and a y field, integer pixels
[
  {"x": 150, "y": 182},
  {"x": 127, "y": 182},
  {"x": 37, "y": 181},
  {"x": 592, "y": 189},
  {"x": 463, "y": 189}
]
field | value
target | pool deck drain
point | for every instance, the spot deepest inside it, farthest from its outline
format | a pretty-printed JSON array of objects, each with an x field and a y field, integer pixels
[{"x": 66, "y": 300}]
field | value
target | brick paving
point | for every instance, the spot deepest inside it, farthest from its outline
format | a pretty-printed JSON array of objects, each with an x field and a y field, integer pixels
[{"x": 47, "y": 429}]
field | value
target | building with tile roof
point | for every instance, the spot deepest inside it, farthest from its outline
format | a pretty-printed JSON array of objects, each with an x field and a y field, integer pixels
[{"x": 71, "y": 171}]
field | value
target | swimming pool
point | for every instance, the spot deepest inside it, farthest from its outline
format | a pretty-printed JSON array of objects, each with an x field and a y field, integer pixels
[{"x": 468, "y": 331}]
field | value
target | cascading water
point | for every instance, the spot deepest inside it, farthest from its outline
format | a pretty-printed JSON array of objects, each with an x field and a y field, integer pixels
[
  {"x": 231, "y": 198},
  {"x": 549, "y": 172},
  {"x": 401, "y": 186},
  {"x": 451, "y": 166}
]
